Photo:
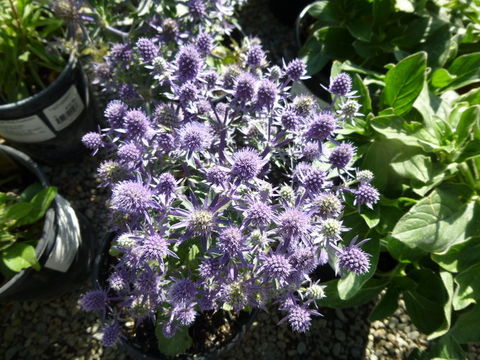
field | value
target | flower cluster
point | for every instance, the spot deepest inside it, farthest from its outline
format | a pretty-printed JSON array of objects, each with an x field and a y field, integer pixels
[{"x": 227, "y": 192}]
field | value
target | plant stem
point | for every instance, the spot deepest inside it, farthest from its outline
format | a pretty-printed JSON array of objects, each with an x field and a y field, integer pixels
[{"x": 467, "y": 175}]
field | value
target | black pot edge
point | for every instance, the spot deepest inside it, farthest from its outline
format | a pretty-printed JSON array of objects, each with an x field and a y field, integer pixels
[{"x": 134, "y": 351}]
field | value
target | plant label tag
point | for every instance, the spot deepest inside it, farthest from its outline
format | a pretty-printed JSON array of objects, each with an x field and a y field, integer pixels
[
  {"x": 68, "y": 238},
  {"x": 30, "y": 129},
  {"x": 65, "y": 110}
]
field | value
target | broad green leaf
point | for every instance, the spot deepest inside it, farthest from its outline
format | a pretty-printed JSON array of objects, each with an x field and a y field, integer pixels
[
  {"x": 426, "y": 302},
  {"x": 313, "y": 53},
  {"x": 472, "y": 97},
  {"x": 468, "y": 287},
  {"x": 466, "y": 69},
  {"x": 28, "y": 194},
  {"x": 447, "y": 280},
  {"x": 387, "y": 305},
  {"x": 470, "y": 151},
  {"x": 20, "y": 256},
  {"x": 404, "y": 82},
  {"x": 16, "y": 212},
  {"x": 40, "y": 204},
  {"x": 438, "y": 46},
  {"x": 371, "y": 217},
  {"x": 351, "y": 283},
  {"x": 441, "y": 78},
  {"x": 446, "y": 348},
  {"x": 468, "y": 119},
  {"x": 459, "y": 257},
  {"x": 436, "y": 222},
  {"x": 465, "y": 328},
  {"x": 175, "y": 345},
  {"x": 364, "y": 94},
  {"x": 417, "y": 167},
  {"x": 405, "y": 5}
]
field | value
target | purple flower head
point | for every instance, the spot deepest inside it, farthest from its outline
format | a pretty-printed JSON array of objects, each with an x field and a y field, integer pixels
[
  {"x": 166, "y": 184},
  {"x": 293, "y": 223},
  {"x": 290, "y": 120},
  {"x": 314, "y": 180},
  {"x": 131, "y": 197},
  {"x": 245, "y": 87},
  {"x": 114, "y": 113},
  {"x": 165, "y": 141},
  {"x": 276, "y": 267},
  {"x": 129, "y": 152},
  {"x": 255, "y": 56},
  {"x": 127, "y": 91},
  {"x": 136, "y": 123},
  {"x": 311, "y": 151},
  {"x": 147, "y": 282},
  {"x": 204, "y": 43},
  {"x": 354, "y": 259},
  {"x": 321, "y": 127},
  {"x": 184, "y": 314},
  {"x": 350, "y": 109},
  {"x": 187, "y": 92},
  {"x": 111, "y": 171},
  {"x": 94, "y": 300},
  {"x": 328, "y": 205},
  {"x": 303, "y": 105},
  {"x": 111, "y": 334},
  {"x": 169, "y": 29},
  {"x": 304, "y": 259},
  {"x": 331, "y": 229},
  {"x": 209, "y": 268},
  {"x": 166, "y": 115},
  {"x": 259, "y": 213},
  {"x": 230, "y": 76},
  {"x": 266, "y": 94},
  {"x": 153, "y": 247},
  {"x": 121, "y": 52},
  {"x": 201, "y": 221},
  {"x": 231, "y": 241},
  {"x": 341, "y": 85},
  {"x": 366, "y": 194},
  {"x": 365, "y": 176},
  {"x": 188, "y": 63},
  {"x": 196, "y": 8},
  {"x": 211, "y": 78},
  {"x": 182, "y": 290},
  {"x": 216, "y": 175},
  {"x": 246, "y": 164},
  {"x": 341, "y": 155},
  {"x": 296, "y": 69},
  {"x": 92, "y": 140},
  {"x": 299, "y": 318},
  {"x": 169, "y": 329},
  {"x": 147, "y": 49},
  {"x": 119, "y": 280},
  {"x": 195, "y": 136}
]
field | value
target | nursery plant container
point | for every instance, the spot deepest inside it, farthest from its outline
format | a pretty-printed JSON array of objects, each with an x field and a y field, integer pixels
[
  {"x": 287, "y": 11},
  {"x": 49, "y": 125},
  {"x": 65, "y": 251},
  {"x": 138, "y": 348}
]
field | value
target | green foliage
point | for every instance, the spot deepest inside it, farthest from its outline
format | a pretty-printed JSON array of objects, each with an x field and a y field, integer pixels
[
  {"x": 29, "y": 57},
  {"x": 175, "y": 345},
  {"x": 374, "y": 33},
  {"x": 20, "y": 227}
]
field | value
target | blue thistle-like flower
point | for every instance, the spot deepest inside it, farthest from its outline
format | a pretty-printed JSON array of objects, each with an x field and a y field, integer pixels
[
  {"x": 92, "y": 140},
  {"x": 210, "y": 78},
  {"x": 216, "y": 175},
  {"x": 166, "y": 115},
  {"x": 293, "y": 222},
  {"x": 341, "y": 155},
  {"x": 187, "y": 92},
  {"x": 245, "y": 87},
  {"x": 184, "y": 314},
  {"x": 209, "y": 268},
  {"x": 246, "y": 164},
  {"x": 147, "y": 282},
  {"x": 311, "y": 151},
  {"x": 299, "y": 318},
  {"x": 111, "y": 334},
  {"x": 255, "y": 56},
  {"x": 129, "y": 152},
  {"x": 204, "y": 43},
  {"x": 341, "y": 85},
  {"x": 136, "y": 123},
  {"x": 94, "y": 300},
  {"x": 276, "y": 267},
  {"x": 182, "y": 290},
  {"x": 321, "y": 127},
  {"x": 303, "y": 105},
  {"x": 290, "y": 120},
  {"x": 165, "y": 141},
  {"x": 188, "y": 63},
  {"x": 314, "y": 180},
  {"x": 166, "y": 184},
  {"x": 153, "y": 247},
  {"x": 304, "y": 259},
  {"x": 195, "y": 136},
  {"x": 111, "y": 171},
  {"x": 259, "y": 213},
  {"x": 266, "y": 94},
  {"x": 365, "y": 176},
  {"x": 147, "y": 49},
  {"x": 170, "y": 29},
  {"x": 230, "y": 241},
  {"x": 366, "y": 194},
  {"x": 328, "y": 205},
  {"x": 127, "y": 91},
  {"x": 354, "y": 259},
  {"x": 197, "y": 8},
  {"x": 131, "y": 197},
  {"x": 114, "y": 113},
  {"x": 119, "y": 280},
  {"x": 121, "y": 52},
  {"x": 296, "y": 69},
  {"x": 230, "y": 76},
  {"x": 350, "y": 109}
]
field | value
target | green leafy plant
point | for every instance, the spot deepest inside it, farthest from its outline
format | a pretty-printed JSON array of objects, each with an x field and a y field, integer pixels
[
  {"x": 30, "y": 55},
  {"x": 373, "y": 33},
  {"x": 421, "y": 138},
  {"x": 21, "y": 227}
]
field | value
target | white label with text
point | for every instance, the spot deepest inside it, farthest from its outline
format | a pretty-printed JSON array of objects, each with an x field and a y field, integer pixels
[
  {"x": 26, "y": 130},
  {"x": 65, "y": 110}
]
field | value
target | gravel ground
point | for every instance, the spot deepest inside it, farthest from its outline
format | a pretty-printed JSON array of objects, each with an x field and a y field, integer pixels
[{"x": 58, "y": 329}]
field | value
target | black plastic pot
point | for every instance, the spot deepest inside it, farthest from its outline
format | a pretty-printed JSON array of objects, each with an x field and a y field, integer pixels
[
  {"x": 66, "y": 250},
  {"x": 49, "y": 125},
  {"x": 287, "y": 10},
  {"x": 99, "y": 279}
]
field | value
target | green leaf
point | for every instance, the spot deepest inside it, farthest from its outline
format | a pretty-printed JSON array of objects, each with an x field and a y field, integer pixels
[
  {"x": 446, "y": 348},
  {"x": 175, "y": 345},
  {"x": 349, "y": 286},
  {"x": 20, "y": 256},
  {"x": 470, "y": 151},
  {"x": 6, "y": 239},
  {"x": 466, "y": 69},
  {"x": 364, "y": 94},
  {"x": 436, "y": 222},
  {"x": 426, "y": 302},
  {"x": 441, "y": 78},
  {"x": 465, "y": 329},
  {"x": 417, "y": 167},
  {"x": 32, "y": 190},
  {"x": 468, "y": 287},
  {"x": 468, "y": 119},
  {"x": 371, "y": 217},
  {"x": 459, "y": 257},
  {"x": 404, "y": 82},
  {"x": 405, "y": 6},
  {"x": 16, "y": 212},
  {"x": 40, "y": 204},
  {"x": 387, "y": 305}
]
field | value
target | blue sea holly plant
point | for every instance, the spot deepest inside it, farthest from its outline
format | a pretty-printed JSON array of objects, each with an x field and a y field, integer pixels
[{"x": 227, "y": 192}]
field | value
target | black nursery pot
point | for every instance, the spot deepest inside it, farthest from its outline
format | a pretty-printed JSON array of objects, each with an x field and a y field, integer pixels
[
  {"x": 49, "y": 125},
  {"x": 134, "y": 347},
  {"x": 287, "y": 10},
  {"x": 65, "y": 251}
]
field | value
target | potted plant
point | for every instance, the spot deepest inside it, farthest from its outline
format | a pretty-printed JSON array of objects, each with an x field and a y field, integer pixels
[
  {"x": 226, "y": 194},
  {"x": 43, "y": 248},
  {"x": 44, "y": 96}
]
